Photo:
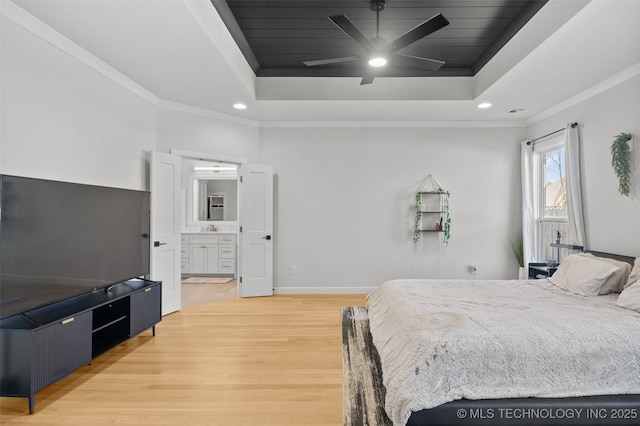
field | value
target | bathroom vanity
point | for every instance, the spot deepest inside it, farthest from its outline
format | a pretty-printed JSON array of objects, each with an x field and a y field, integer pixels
[{"x": 208, "y": 253}]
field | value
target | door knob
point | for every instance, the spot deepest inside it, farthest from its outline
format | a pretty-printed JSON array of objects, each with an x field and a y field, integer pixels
[
  {"x": 158, "y": 244},
  {"x": 266, "y": 237}
]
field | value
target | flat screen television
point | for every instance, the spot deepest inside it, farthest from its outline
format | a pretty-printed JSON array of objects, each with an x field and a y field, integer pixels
[{"x": 59, "y": 240}]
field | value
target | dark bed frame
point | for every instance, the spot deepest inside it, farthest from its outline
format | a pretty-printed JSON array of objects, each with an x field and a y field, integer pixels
[
  {"x": 601, "y": 410},
  {"x": 620, "y": 257}
]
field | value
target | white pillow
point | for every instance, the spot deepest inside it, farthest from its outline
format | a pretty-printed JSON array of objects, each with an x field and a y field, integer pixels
[
  {"x": 582, "y": 275},
  {"x": 630, "y": 296},
  {"x": 618, "y": 279},
  {"x": 635, "y": 273}
]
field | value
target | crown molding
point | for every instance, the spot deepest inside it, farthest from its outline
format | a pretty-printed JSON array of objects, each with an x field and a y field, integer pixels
[
  {"x": 188, "y": 109},
  {"x": 30, "y": 23},
  {"x": 607, "y": 84},
  {"x": 392, "y": 124},
  {"x": 198, "y": 155},
  {"x": 38, "y": 28}
]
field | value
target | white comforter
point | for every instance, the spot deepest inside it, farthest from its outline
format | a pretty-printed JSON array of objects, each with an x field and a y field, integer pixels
[{"x": 443, "y": 340}]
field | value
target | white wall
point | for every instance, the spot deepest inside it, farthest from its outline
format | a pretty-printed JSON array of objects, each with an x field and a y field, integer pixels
[
  {"x": 344, "y": 202},
  {"x": 209, "y": 135},
  {"x": 62, "y": 120},
  {"x": 612, "y": 220},
  {"x": 343, "y": 196}
]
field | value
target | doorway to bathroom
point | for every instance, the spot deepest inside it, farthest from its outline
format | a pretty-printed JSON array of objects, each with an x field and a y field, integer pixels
[{"x": 209, "y": 237}]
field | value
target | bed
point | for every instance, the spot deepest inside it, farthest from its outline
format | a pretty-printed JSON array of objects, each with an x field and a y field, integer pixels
[{"x": 520, "y": 352}]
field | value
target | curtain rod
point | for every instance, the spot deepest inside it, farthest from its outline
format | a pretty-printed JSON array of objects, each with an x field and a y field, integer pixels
[{"x": 573, "y": 126}]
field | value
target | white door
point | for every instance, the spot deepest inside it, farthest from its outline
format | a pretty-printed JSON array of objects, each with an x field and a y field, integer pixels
[
  {"x": 256, "y": 231},
  {"x": 165, "y": 228}
]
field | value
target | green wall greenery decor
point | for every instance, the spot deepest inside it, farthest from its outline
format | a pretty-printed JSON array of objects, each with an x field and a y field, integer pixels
[
  {"x": 430, "y": 188},
  {"x": 445, "y": 221},
  {"x": 621, "y": 162}
]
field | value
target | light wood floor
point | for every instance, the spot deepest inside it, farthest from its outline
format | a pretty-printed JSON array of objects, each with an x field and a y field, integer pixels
[
  {"x": 259, "y": 361},
  {"x": 200, "y": 294}
]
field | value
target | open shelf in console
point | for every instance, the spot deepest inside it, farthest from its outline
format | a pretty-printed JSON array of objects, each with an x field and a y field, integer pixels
[{"x": 110, "y": 325}]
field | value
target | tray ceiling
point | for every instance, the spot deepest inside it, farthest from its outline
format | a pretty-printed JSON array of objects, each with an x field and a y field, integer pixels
[
  {"x": 277, "y": 36},
  {"x": 180, "y": 55}
]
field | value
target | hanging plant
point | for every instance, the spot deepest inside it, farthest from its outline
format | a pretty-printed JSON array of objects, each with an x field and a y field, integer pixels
[
  {"x": 447, "y": 229},
  {"x": 446, "y": 226},
  {"x": 621, "y": 162},
  {"x": 416, "y": 228}
]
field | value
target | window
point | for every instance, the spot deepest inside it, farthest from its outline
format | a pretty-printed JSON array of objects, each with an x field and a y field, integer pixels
[{"x": 550, "y": 197}]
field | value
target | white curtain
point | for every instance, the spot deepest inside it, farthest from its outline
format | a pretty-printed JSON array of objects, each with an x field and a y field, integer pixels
[
  {"x": 528, "y": 220},
  {"x": 574, "y": 188}
]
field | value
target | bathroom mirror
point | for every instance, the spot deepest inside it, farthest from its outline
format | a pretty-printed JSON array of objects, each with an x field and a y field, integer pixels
[{"x": 214, "y": 200}]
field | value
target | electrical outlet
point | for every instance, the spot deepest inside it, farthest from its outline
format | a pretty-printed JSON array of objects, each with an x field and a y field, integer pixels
[
  {"x": 293, "y": 270},
  {"x": 473, "y": 269}
]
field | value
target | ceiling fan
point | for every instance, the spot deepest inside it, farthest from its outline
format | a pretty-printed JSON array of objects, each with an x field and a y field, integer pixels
[{"x": 378, "y": 50}]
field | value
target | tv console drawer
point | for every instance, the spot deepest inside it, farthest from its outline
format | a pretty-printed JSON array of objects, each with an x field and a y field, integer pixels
[
  {"x": 60, "y": 348},
  {"x": 34, "y": 358}
]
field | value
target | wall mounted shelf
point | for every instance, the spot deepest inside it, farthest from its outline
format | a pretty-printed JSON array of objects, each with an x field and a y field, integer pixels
[{"x": 432, "y": 210}]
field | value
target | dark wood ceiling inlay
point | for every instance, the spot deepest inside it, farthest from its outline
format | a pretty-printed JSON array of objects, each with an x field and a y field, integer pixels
[{"x": 277, "y": 36}]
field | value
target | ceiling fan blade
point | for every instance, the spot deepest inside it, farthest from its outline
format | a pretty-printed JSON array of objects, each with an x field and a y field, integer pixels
[
  {"x": 426, "y": 63},
  {"x": 330, "y": 61},
  {"x": 352, "y": 31},
  {"x": 427, "y": 27},
  {"x": 368, "y": 76}
]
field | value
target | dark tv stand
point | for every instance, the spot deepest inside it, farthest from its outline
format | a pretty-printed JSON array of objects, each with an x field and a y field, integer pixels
[{"x": 44, "y": 345}]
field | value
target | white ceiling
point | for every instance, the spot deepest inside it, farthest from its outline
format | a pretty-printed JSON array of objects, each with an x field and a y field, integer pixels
[{"x": 180, "y": 51}]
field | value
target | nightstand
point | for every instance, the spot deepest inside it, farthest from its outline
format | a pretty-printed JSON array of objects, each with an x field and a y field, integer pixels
[{"x": 541, "y": 270}]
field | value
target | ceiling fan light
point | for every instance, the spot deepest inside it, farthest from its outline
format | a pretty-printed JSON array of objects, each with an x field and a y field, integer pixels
[{"x": 377, "y": 61}]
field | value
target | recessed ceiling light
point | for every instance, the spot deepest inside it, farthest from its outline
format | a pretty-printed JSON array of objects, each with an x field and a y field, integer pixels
[
  {"x": 377, "y": 61},
  {"x": 484, "y": 105},
  {"x": 239, "y": 105}
]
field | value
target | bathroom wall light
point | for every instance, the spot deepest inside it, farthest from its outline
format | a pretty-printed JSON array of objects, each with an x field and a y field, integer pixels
[{"x": 213, "y": 168}]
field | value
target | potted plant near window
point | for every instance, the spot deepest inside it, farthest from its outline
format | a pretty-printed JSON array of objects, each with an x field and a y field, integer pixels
[
  {"x": 518, "y": 252},
  {"x": 621, "y": 161}
]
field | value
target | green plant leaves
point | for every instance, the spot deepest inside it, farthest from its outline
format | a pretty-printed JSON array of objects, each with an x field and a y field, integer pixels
[
  {"x": 446, "y": 226},
  {"x": 621, "y": 162}
]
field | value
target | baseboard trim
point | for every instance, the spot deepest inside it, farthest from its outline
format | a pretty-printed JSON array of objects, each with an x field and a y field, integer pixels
[{"x": 323, "y": 290}]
